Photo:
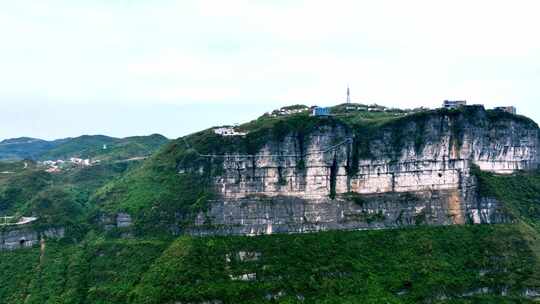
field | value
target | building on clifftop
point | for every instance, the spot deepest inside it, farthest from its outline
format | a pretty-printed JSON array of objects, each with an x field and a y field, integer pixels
[
  {"x": 321, "y": 111},
  {"x": 508, "y": 109},
  {"x": 454, "y": 104}
]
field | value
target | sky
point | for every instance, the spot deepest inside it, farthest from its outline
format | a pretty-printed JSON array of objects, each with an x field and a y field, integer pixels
[{"x": 134, "y": 67}]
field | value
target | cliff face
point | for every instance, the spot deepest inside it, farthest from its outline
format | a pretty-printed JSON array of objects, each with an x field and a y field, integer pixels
[
  {"x": 414, "y": 171},
  {"x": 11, "y": 239}
]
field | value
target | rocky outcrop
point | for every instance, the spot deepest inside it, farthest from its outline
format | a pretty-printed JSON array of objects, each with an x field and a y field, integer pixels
[
  {"x": 27, "y": 237},
  {"x": 123, "y": 220},
  {"x": 119, "y": 220},
  {"x": 416, "y": 170},
  {"x": 117, "y": 223}
]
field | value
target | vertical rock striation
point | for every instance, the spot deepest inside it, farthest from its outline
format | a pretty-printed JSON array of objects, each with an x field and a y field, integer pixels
[{"x": 416, "y": 170}]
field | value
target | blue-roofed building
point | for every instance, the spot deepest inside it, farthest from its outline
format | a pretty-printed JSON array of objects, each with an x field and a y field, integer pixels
[{"x": 321, "y": 111}]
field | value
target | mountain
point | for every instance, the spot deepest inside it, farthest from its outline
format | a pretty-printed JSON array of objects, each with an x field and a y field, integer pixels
[
  {"x": 106, "y": 148},
  {"x": 354, "y": 170},
  {"x": 25, "y": 148},
  {"x": 87, "y": 146},
  {"x": 26, "y": 185},
  {"x": 402, "y": 206}
]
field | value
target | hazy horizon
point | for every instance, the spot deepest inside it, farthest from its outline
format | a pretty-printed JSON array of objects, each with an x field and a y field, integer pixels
[
  {"x": 119, "y": 121},
  {"x": 124, "y": 68}
]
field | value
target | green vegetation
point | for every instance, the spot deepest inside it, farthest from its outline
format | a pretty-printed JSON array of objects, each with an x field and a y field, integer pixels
[
  {"x": 63, "y": 198},
  {"x": 373, "y": 127},
  {"x": 498, "y": 117},
  {"x": 56, "y": 199},
  {"x": 94, "y": 271},
  {"x": 415, "y": 265},
  {"x": 106, "y": 148},
  {"x": 87, "y": 146},
  {"x": 300, "y": 126},
  {"x": 164, "y": 193},
  {"x": 335, "y": 266},
  {"x": 183, "y": 175},
  {"x": 19, "y": 189},
  {"x": 182, "y": 178},
  {"x": 10, "y": 167},
  {"x": 25, "y": 148},
  {"x": 520, "y": 193},
  {"x": 394, "y": 266}
]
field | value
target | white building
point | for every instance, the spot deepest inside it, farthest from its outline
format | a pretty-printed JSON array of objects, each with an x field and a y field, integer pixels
[
  {"x": 80, "y": 161},
  {"x": 228, "y": 131},
  {"x": 454, "y": 104},
  {"x": 508, "y": 109}
]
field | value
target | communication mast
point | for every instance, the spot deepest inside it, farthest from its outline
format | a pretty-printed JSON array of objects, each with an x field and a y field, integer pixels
[{"x": 348, "y": 94}]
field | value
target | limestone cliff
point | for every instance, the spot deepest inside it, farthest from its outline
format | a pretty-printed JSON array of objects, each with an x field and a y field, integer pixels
[
  {"x": 411, "y": 170},
  {"x": 23, "y": 237}
]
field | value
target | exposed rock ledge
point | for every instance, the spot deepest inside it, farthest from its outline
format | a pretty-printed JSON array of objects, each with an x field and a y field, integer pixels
[
  {"x": 422, "y": 177},
  {"x": 26, "y": 237}
]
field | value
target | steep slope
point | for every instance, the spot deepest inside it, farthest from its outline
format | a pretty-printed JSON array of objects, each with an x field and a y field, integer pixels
[
  {"x": 51, "y": 202},
  {"x": 56, "y": 199},
  {"x": 457, "y": 264},
  {"x": 300, "y": 173}
]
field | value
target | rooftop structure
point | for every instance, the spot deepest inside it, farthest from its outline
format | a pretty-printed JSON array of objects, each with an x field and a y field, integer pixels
[
  {"x": 14, "y": 220},
  {"x": 320, "y": 111},
  {"x": 290, "y": 110},
  {"x": 228, "y": 131},
  {"x": 53, "y": 169},
  {"x": 80, "y": 161},
  {"x": 354, "y": 107},
  {"x": 508, "y": 109},
  {"x": 454, "y": 104}
]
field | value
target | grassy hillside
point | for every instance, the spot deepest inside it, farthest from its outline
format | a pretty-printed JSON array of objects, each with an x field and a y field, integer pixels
[
  {"x": 26, "y": 189},
  {"x": 87, "y": 146},
  {"x": 106, "y": 148},
  {"x": 421, "y": 265},
  {"x": 519, "y": 192},
  {"x": 55, "y": 198},
  {"x": 25, "y": 148}
]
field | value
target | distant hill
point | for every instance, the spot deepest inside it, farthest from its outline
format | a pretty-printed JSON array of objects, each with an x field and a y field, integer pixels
[
  {"x": 87, "y": 146},
  {"x": 26, "y": 148}
]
